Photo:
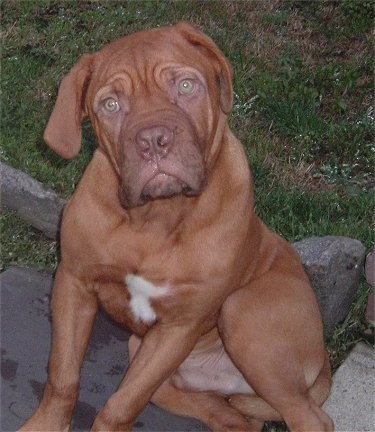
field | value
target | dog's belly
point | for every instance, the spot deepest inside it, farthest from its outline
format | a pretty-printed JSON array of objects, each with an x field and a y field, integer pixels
[{"x": 211, "y": 371}]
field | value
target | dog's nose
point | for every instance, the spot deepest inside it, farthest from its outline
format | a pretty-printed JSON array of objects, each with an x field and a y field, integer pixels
[{"x": 154, "y": 140}]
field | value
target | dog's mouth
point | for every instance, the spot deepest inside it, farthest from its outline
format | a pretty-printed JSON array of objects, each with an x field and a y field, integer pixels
[{"x": 161, "y": 185}]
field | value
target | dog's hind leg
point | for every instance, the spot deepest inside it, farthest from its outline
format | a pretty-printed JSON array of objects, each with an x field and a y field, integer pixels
[
  {"x": 254, "y": 406},
  {"x": 272, "y": 331}
]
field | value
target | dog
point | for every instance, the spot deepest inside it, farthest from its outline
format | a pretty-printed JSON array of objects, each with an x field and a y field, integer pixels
[{"x": 162, "y": 234}]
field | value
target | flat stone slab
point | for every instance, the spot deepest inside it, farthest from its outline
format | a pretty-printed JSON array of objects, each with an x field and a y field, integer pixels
[
  {"x": 25, "y": 345},
  {"x": 351, "y": 403}
]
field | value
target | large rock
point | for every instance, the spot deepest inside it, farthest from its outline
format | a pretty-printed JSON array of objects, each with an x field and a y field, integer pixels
[
  {"x": 334, "y": 266},
  {"x": 36, "y": 205}
]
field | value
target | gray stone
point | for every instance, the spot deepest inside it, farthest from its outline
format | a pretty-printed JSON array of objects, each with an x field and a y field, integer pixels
[
  {"x": 370, "y": 268},
  {"x": 25, "y": 345},
  {"x": 36, "y": 205},
  {"x": 351, "y": 403},
  {"x": 334, "y": 266}
]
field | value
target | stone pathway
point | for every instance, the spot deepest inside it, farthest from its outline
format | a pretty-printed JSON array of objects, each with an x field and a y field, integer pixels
[
  {"x": 351, "y": 403},
  {"x": 25, "y": 341}
]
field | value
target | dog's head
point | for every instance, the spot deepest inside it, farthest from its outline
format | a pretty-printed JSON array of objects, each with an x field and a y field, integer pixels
[{"x": 156, "y": 100}]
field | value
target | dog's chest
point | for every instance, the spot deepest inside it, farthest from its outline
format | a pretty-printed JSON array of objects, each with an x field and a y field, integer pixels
[{"x": 142, "y": 292}]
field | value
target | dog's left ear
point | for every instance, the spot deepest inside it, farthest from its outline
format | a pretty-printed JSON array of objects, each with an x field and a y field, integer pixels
[
  {"x": 225, "y": 72},
  {"x": 63, "y": 132}
]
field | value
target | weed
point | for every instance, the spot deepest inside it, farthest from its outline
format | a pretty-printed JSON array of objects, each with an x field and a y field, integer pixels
[{"x": 358, "y": 14}]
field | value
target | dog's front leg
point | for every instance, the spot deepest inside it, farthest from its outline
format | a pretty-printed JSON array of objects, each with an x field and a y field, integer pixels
[
  {"x": 162, "y": 350},
  {"x": 73, "y": 313}
]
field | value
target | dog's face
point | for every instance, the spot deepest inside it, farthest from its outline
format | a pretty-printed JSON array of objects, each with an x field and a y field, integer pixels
[
  {"x": 152, "y": 116},
  {"x": 155, "y": 100}
]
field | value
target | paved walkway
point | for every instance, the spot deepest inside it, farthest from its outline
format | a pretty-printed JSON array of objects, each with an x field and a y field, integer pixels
[
  {"x": 351, "y": 403},
  {"x": 25, "y": 342}
]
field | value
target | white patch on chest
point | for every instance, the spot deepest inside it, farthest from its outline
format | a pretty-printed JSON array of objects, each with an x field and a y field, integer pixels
[{"x": 141, "y": 291}]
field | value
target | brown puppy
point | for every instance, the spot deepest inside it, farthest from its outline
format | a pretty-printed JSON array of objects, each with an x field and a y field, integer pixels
[{"x": 162, "y": 234}]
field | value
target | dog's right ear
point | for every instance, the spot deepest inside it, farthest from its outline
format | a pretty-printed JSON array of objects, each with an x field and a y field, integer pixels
[
  {"x": 63, "y": 132},
  {"x": 224, "y": 69}
]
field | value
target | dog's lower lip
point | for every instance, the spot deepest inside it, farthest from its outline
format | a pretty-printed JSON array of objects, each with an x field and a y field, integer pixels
[
  {"x": 161, "y": 176},
  {"x": 159, "y": 186},
  {"x": 158, "y": 175}
]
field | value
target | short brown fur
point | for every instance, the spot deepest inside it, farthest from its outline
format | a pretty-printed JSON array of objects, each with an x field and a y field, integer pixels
[{"x": 168, "y": 198}]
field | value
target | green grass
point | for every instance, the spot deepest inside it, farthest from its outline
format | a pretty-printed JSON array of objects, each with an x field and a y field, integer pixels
[
  {"x": 301, "y": 214},
  {"x": 25, "y": 246},
  {"x": 303, "y": 107}
]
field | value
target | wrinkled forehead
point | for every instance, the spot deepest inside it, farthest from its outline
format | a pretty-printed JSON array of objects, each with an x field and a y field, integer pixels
[{"x": 142, "y": 53}]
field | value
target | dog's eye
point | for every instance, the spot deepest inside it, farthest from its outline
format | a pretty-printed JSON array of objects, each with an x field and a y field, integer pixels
[
  {"x": 111, "y": 105},
  {"x": 186, "y": 86}
]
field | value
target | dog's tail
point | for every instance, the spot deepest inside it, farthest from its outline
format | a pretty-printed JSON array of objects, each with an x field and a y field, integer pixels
[{"x": 255, "y": 407}]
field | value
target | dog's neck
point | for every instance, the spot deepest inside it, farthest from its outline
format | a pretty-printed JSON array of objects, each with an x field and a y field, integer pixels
[{"x": 161, "y": 215}]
